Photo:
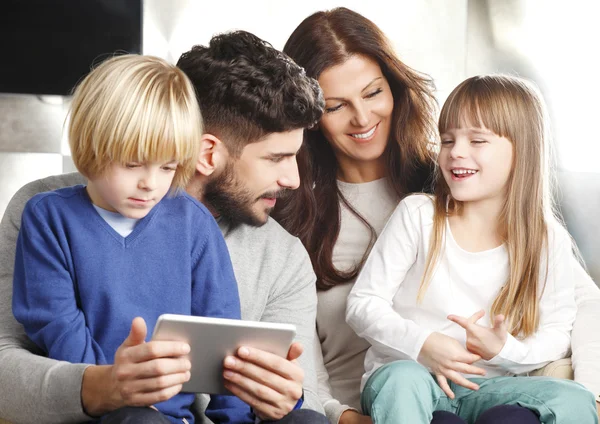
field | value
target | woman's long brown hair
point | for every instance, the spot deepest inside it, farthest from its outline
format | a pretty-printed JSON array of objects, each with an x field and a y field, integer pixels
[{"x": 312, "y": 212}]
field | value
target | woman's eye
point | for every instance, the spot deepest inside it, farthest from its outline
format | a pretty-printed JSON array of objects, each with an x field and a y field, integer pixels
[
  {"x": 374, "y": 93},
  {"x": 333, "y": 108}
]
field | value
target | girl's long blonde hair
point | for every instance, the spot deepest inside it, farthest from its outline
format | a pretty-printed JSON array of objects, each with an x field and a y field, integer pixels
[{"x": 512, "y": 108}]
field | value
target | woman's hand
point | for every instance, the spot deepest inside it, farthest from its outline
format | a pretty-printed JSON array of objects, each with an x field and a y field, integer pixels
[
  {"x": 486, "y": 342},
  {"x": 448, "y": 360},
  {"x": 353, "y": 417}
]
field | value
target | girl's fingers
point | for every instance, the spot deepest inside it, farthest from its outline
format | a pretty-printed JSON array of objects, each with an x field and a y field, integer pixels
[
  {"x": 443, "y": 383},
  {"x": 460, "y": 380}
]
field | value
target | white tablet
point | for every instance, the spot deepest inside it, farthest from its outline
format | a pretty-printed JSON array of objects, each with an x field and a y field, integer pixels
[{"x": 211, "y": 339}]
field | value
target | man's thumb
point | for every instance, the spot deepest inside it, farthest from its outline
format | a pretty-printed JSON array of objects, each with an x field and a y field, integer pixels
[
  {"x": 295, "y": 351},
  {"x": 137, "y": 334}
]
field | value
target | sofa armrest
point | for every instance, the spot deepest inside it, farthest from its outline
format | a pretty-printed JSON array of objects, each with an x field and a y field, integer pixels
[{"x": 563, "y": 368}]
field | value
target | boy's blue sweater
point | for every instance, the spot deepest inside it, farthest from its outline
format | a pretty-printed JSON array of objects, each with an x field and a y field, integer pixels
[{"x": 78, "y": 284}]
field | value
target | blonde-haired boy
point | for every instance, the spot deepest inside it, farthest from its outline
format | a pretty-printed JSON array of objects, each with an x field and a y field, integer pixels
[{"x": 132, "y": 242}]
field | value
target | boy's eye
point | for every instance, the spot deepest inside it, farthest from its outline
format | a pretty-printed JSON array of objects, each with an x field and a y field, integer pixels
[
  {"x": 170, "y": 168},
  {"x": 132, "y": 165}
]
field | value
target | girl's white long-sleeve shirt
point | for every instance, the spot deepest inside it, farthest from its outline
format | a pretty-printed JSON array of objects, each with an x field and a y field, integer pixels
[{"x": 382, "y": 306}]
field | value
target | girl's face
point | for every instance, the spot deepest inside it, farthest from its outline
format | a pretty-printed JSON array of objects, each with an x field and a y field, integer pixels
[
  {"x": 358, "y": 111},
  {"x": 476, "y": 163}
]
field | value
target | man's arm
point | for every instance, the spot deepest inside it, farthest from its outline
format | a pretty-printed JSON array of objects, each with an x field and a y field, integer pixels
[
  {"x": 32, "y": 388},
  {"x": 585, "y": 339}
]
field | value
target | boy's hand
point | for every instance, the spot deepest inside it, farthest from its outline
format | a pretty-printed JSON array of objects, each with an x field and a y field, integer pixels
[
  {"x": 448, "y": 359},
  {"x": 143, "y": 374},
  {"x": 486, "y": 342},
  {"x": 270, "y": 384}
]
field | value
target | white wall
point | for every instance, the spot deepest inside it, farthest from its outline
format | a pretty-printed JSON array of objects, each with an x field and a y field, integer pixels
[{"x": 429, "y": 35}]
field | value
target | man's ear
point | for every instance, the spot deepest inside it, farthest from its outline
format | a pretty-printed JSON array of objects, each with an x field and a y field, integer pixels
[{"x": 212, "y": 154}]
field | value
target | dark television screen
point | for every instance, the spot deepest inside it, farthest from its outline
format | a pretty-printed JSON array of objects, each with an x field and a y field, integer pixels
[{"x": 48, "y": 45}]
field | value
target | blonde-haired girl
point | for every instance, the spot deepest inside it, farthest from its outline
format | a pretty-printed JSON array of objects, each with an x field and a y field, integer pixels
[
  {"x": 131, "y": 243},
  {"x": 485, "y": 264}
]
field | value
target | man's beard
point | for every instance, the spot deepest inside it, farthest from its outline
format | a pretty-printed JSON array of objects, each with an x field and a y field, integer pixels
[{"x": 228, "y": 196}]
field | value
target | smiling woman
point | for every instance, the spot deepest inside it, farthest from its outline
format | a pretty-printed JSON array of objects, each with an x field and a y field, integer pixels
[{"x": 369, "y": 150}]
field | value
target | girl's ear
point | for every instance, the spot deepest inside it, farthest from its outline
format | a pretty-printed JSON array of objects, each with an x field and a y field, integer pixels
[{"x": 212, "y": 155}]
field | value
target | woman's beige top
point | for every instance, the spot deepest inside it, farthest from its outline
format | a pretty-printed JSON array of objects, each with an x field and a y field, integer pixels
[{"x": 343, "y": 351}]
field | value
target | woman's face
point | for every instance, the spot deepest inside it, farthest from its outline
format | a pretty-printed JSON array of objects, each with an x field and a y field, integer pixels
[{"x": 358, "y": 111}]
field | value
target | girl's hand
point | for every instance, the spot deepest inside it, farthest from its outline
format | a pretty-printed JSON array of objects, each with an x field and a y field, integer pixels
[
  {"x": 486, "y": 342},
  {"x": 448, "y": 359}
]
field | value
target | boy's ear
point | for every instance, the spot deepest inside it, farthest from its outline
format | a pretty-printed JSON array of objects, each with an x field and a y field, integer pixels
[{"x": 212, "y": 155}]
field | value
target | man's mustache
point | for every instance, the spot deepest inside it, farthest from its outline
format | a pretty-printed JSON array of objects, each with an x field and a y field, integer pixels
[{"x": 279, "y": 194}]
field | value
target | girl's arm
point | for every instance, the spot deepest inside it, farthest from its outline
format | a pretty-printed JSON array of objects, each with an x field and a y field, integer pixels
[
  {"x": 369, "y": 310},
  {"x": 44, "y": 297},
  {"x": 557, "y": 313}
]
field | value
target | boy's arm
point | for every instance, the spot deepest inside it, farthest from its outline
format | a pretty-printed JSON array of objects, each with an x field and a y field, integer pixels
[
  {"x": 44, "y": 296},
  {"x": 32, "y": 388},
  {"x": 585, "y": 341},
  {"x": 215, "y": 294},
  {"x": 36, "y": 389}
]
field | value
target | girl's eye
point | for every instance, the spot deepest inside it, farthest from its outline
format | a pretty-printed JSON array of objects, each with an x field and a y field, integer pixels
[
  {"x": 333, "y": 108},
  {"x": 132, "y": 165},
  {"x": 446, "y": 142},
  {"x": 478, "y": 141},
  {"x": 374, "y": 93},
  {"x": 169, "y": 168}
]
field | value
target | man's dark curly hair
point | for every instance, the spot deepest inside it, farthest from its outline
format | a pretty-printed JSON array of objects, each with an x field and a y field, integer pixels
[{"x": 247, "y": 89}]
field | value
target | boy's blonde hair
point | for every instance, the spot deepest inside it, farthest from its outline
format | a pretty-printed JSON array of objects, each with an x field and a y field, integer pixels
[
  {"x": 135, "y": 108},
  {"x": 511, "y": 107}
]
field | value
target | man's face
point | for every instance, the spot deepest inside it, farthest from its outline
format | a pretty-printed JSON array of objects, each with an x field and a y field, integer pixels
[{"x": 247, "y": 188}]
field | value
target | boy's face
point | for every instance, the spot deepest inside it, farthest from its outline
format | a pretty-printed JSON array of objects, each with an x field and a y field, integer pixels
[
  {"x": 247, "y": 189},
  {"x": 132, "y": 189}
]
